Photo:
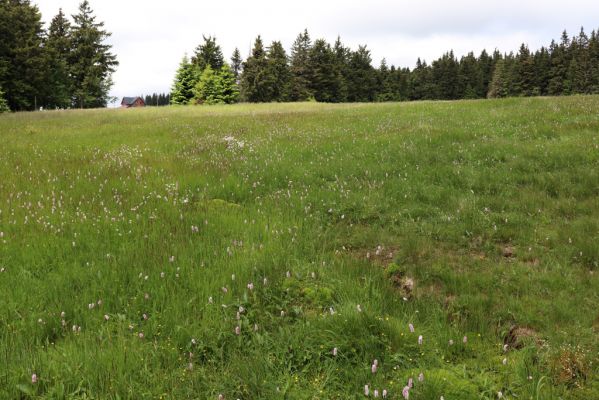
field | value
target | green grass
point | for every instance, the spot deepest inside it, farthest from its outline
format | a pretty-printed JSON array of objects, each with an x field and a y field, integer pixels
[{"x": 491, "y": 208}]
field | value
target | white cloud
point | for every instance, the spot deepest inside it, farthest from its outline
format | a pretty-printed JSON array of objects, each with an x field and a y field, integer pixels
[{"x": 150, "y": 36}]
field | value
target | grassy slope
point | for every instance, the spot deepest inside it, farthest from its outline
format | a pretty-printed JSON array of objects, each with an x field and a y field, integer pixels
[{"x": 93, "y": 205}]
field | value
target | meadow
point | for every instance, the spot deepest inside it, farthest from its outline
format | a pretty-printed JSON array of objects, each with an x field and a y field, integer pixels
[{"x": 431, "y": 250}]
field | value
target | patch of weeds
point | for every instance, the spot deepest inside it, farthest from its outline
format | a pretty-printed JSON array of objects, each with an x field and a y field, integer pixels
[{"x": 571, "y": 366}]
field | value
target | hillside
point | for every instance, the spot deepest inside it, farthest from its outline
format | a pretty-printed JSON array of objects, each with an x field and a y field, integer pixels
[{"x": 275, "y": 251}]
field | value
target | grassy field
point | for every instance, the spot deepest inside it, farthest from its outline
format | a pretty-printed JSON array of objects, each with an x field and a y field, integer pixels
[{"x": 277, "y": 251}]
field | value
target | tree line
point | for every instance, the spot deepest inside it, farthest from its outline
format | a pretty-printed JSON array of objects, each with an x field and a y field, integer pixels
[
  {"x": 69, "y": 65},
  {"x": 317, "y": 70},
  {"x": 66, "y": 66},
  {"x": 157, "y": 99}
]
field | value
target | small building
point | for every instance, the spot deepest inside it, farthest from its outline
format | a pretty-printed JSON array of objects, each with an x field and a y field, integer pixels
[{"x": 129, "y": 102}]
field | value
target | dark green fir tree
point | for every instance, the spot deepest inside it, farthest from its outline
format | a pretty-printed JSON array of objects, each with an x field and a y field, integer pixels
[
  {"x": 278, "y": 72},
  {"x": 208, "y": 53},
  {"x": 255, "y": 82},
  {"x": 91, "y": 62},
  {"x": 299, "y": 89},
  {"x": 22, "y": 62},
  {"x": 58, "y": 48},
  {"x": 236, "y": 63},
  {"x": 325, "y": 82}
]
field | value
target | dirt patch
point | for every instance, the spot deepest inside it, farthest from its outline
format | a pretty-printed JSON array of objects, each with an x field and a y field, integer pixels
[
  {"x": 508, "y": 252},
  {"x": 519, "y": 336},
  {"x": 400, "y": 281},
  {"x": 449, "y": 301},
  {"x": 533, "y": 262}
]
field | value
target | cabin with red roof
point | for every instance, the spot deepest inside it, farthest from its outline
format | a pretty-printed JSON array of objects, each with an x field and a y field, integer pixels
[{"x": 129, "y": 102}]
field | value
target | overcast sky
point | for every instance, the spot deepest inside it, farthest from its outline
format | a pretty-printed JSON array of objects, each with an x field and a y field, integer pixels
[{"x": 150, "y": 37}]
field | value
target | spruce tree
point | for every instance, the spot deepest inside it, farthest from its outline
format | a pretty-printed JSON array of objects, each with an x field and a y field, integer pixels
[
  {"x": 342, "y": 55},
  {"x": 385, "y": 82},
  {"x": 445, "y": 78},
  {"x": 470, "y": 78},
  {"x": 91, "y": 62},
  {"x": 255, "y": 82},
  {"x": 206, "y": 90},
  {"x": 58, "y": 48},
  {"x": 560, "y": 63},
  {"x": 186, "y": 79},
  {"x": 524, "y": 77},
  {"x": 361, "y": 80},
  {"x": 229, "y": 90},
  {"x": 208, "y": 53},
  {"x": 580, "y": 69},
  {"x": 420, "y": 85},
  {"x": 236, "y": 62},
  {"x": 299, "y": 89},
  {"x": 278, "y": 72},
  {"x": 486, "y": 65},
  {"x": 594, "y": 60},
  {"x": 501, "y": 82},
  {"x": 542, "y": 62},
  {"x": 216, "y": 87},
  {"x": 403, "y": 83},
  {"x": 22, "y": 62},
  {"x": 325, "y": 79}
]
